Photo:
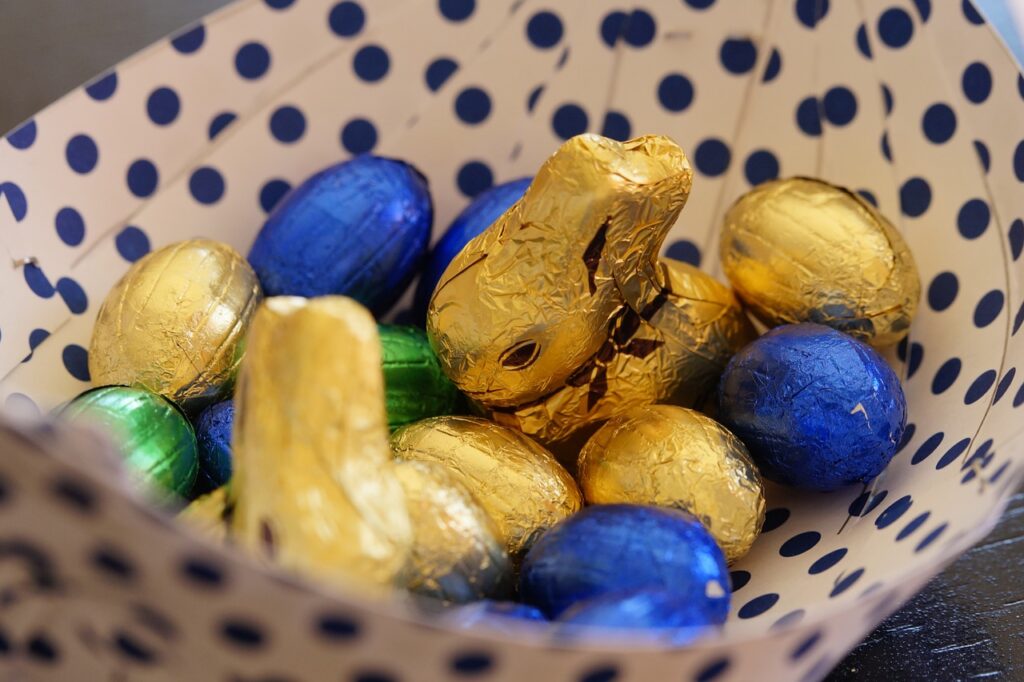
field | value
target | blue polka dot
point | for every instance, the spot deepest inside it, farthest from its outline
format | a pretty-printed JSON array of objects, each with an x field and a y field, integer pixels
[
  {"x": 24, "y": 136},
  {"x": 862, "y": 41},
  {"x": 684, "y": 250},
  {"x": 761, "y": 166},
  {"x": 1018, "y": 319},
  {"x": 790, "y": 618},
  {"x": 242, "y": 634},
  {"x": 206, "y": 185},
  {"x": 272, "y": 192},
  {"x": 977, "y": 82},
  {"x": 473, "y": 663},
  {"x": 758, "y": 605},
  {"x": 946, "y": 376},
  {"x": 942, "y": 291},
  {"x": 473, "y": 105},
  {"x": 995, "y": 477},
  {"x": 737, "y": 579},
  {"x": 774, "y": 518},
  {"x": 1004, "y": 384},
  {"x": 773, "y": 68},
  {"x": 1020, "y": 85},
  {"x": 279, "y": 4},
  {"x": 639, "y": 29},
  {"x": 252, "y": 61},
  {"x": 190, "y": 40},
  {"x": 939, "y": 123},
  {"x": 988, "y": 308},
  {"x": 810, "y": 12},
  {"x": 1016, "y": 237},
  {"x": 908, "y": 434},
  {"x": 70, "y": 226},
  {"x": 931, "y": 537},
  {"x": 980, "y": 387},
  {"x": 531, "y": 100},
  {"x": 868, "y": 196},
  {"x": 73, "y": 295},
  {"x": 1018, "y": 399},
  {"x": 846, "y": 583},
  {"x": 798, "y": 544},
  {"x": 142, "y": 178},
  {"x": 924, "y": 9},
  {"x": 700, "y": 4},
  {"x": 346, "y": 19},
  {"x": 359, "y": 136},
  {"x": 886, "y": 150},
  {"x": 914, "y": 524},
  {"x": 544, "y": 29},
  {"x": 163, "y": 106},
  {"x": 715, "y": 669},
  {"x": 287, "y": 124},
  {"x": 893, "y": 512},
  {"x": 15, "y": 199},
  {"x": 569, "y": 120},
  {"x": 616, "y": 126},
  {"x": 915, "y": 197},
  {"x": 712, "y": 157},
  {"x": 895, "y": 27},
  {"x": 805, "y": 646},
  {"x": 840, "y": 106},
  {"x": 887, "y": 99},
  {"x": 132, "y": 243},
  {"x": 456, "y": 10},
  {"x": 808, "y": 117},
  {"x": 973, "y": 218},
  {"x": 474, "y": 177},
  {"x": 827, "y": 561},
  {"x": 927, "y": 448},
  {"x": 971, "y": 14},
  {"x": 37, "y": 281},
  {"x": 612, "y": 26},
  {"x": 983, "y": 155},
  {"x": 604, "y": 673},
  {"x": 439, "y": 71},
  {"x": 916, "y": 356},
  {"x": 102, "y": 88},
  {"x": 675, "y": 92},
  {"x": 35, "y": 337},
  {"x": 82, "y": 154},
  {"x": 220, "y": 122},
  {"x": 371, "y": 63},
  {"x": 76, "y": 361},
  {"x": 738, "y": 55},
  {"x": 1018, "y": 161},
  {"x": 867, "y": 502}
]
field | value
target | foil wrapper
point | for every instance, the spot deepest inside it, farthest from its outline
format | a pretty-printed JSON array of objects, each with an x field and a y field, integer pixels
[
  {"x": 209, "y": 514},
  {"x": 817, "y": 408},
  {"x": 213, "y": 436},
  {"x": 457, "y": 554},
  {"x": 175, "y": 323},
  {"x": 675, "y": 457},
  {"x": 360, "y": 228},
  {"x": 314, "y": 488},
  {"x": 415, "y": 386},
  {"x": 517, "y": 482},
  {"x": 153, "y": 435},
  {"x": 560, "y": 314},
  {"x": 496, "y": 615},
  {"x": 665, "y": 616},
  {"x": 803, "y": 250},
  {"x": 618, "y": 548}
]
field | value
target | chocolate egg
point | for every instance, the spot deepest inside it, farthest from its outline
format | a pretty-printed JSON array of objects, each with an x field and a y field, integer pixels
[
  {"x": 817, "y": 408},
  {"x": 629, "y": 615},
  {"x": 175, "y": 323},
  {"x": 153, "y": 435},
  {"x": 457, "y": 554},
  {"x": 359, "y": 228},
  {"x": 675, "y": 457},
  {"x": 415, "y": 387},
  {"x": 213, "y": 436},
  {"x": 494, "y": 614},
  {"x": 517, "y": 482},
  {"x": 803, "y": 250}
]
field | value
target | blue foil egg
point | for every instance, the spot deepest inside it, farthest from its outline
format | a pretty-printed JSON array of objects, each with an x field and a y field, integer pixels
[
  {"x": 617, "y": 548},
  {"x": 477, "y": 217},
  {"x": 494, "y": 614},
  {"x": 360, "y": 228},
  {"x": 641, "y": 611},
  {"x": 816, "y": 408},
  {"x": 213, "y": 436}
]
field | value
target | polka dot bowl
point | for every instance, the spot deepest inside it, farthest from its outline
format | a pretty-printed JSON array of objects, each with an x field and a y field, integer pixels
[{"x": 915, "y": 104}]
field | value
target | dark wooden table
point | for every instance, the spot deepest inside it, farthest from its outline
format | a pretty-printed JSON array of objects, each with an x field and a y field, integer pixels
[{"x": 968, "y": 623}]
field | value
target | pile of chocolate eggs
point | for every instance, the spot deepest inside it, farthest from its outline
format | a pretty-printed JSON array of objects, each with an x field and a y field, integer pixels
[{"x": 573, "y": 431}]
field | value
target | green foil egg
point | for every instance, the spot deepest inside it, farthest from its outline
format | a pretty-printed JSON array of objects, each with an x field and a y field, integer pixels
[
  {"x": 154, "y": 436},
  {"x": 414, "y": 384}
]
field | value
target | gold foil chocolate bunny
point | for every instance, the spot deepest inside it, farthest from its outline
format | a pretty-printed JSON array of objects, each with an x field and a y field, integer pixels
[{"x": 561, "y": 314}]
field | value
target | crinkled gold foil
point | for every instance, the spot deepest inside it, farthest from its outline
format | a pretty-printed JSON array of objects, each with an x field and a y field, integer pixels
[
  {"x": 560, "y": 314},
  {"x": 457, "y": 554},
  {"x": 675, "y": 457},
  {"x": 314, "y": 485},
  {"x": 517, "y": 482},
  {"x": 175, "y": 323},
  {"x": 803, "y": 250},
  {"x": 209, "y": 514}
]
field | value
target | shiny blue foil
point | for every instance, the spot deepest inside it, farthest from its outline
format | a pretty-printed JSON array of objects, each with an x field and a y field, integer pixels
[
  {"x": 618, "y": 548},
  {"x": 477, "y": 217},
  {"x": 493, "y": 613},
  {"x": 816, "y": 408},
  {"x": 360, "y": 229},
  {"x": 640, "y": 611},
  {"x": 213, "y": 436}
]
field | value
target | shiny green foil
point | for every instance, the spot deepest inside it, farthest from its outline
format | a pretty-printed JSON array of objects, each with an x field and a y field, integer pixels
[
  {"x": 154, "y": 436},
  {"x": 415, "y": 387}
]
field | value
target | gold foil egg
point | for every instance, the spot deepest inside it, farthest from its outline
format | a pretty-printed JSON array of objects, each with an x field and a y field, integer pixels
[
  {"x": 457, "y": 554},
  {"x": 803, "y": 250},
  {"x": 314, "y": 486},
  {"x": 675, "y": 457},
  {"x": 517, "y": 482},
  {"x": 560, "y": 314},
  {"x": 175, "y": 323}
]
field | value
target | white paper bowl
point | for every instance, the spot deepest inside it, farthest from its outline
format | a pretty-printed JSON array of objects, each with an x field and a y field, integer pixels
[{"x": 198, "y": 135}]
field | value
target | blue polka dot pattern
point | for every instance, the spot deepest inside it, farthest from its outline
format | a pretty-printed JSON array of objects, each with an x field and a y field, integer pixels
[
  {"x": 639, "y": 29},
  {"x": 612, "y": 26},
  {"x": 1016, "y": 237},
  {"x": 1004, "y": 384},
  {"x": 946, "y": 375},
  {"x": 886, "y": 151},
  {"x": 758, "y": 605},
  {"x": 805, "y": 646},
  {"x": 82, "y": 154},
  {"x": 983, "y": 156},
  {"x": 887, "y": 99},
  {"x": 371, "y": 63},
  {"x": 827, "y": 561},
  {"x": 76, "y": 361},
  {"x": 738, "y": 55},
  {"x": 279, "y": 4},
  {"x": 930, "y": 538},
  {"x": 242, "y": 634},
  {"x": 471, "y": 664},
  {"x": 924, "y": 9},
  {"x": 337, "y": 627},
  {"x": 808, "y": 117},
  {"x": 272, "y": 192},
  {"x": 206, "y": 185},
  {"x": 846, "y": 582},
  {"x": 190, "y": 40},
  {"x": 927, "y": 448},
  {"x": 737, "y": 579},
  {"x": 810, "y": 12},
  {"x": 473, "y": 105},
  {"x": 939, "y": 123},
  {"x": 684, "y": 250},
  {"x": 73, "y": 295},
  {"x": 868, "y": 197},
  {"x": 163, "y": 106},
  {"x": 915, "y": 197},
  {"x": 715, "y": 669},
  {"x": 862, "y": 41},
  {"x": 942, "y": 291},
  {"x": 970, "y": 13},
  {"x": 359, "y": 136},
  {"x": 474, "y": 177},
  {"x": 37, "y": 281},
  {"x": 544, "y": 29},
  {"x": 977, "y": 82},
  {"x": 798, "y": 544},
  {"x": 675, "y": 92},
  {"x": 774, "y": 66},
  {"x": 132, "y": 243},
  {"x": 606, "y": 673},
  {"x": 616, "y": 126},
  {"x": 1018, "y": 161},
  {"x": 346, "y": 19},
  {"x": 220, "y": 122},
  {"x": 988, "y": 308},
  {"x": 700, "y": 4},
  {"x": 252, "y": 61},
  {"x": 893, "y": 512},
  {"x": 23, "y": 136},
  {"x": 774, "y": 518},
  {"x": 980, "y": 387},
  {"x": 840, "y": 106},
  {"x": 102, "y": 88},
  {"x": 867, "y": 502},
  {"x": 15, "y": 200},
  {"x": 761, "y": 166},
  {"x": 712, "y": 157},
  {"x": 70, "y": 226},
  {"x": 439, "y": 71},
  {"x": 569, "y": 120},
  {"x": 973, "y": 218},
  {"x": 895, "y": 27},
  {"x": 456, "y": 10},
  {"x": 287, "y": 124},
  {"x": 914, "y": 524},
  {"x": 142, "y": 178}
]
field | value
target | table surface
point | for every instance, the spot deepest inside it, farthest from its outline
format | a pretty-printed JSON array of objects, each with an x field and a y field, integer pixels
[{"x": 967, "y": 624}]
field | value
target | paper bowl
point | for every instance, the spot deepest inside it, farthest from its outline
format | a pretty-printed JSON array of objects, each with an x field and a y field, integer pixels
[{"x": 915, "y": 104}]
